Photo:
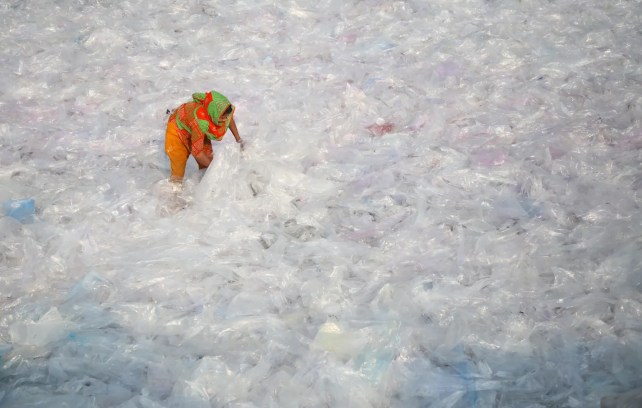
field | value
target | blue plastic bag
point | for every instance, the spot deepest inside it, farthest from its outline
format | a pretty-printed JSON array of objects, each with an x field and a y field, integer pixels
[{"x": 22, "y": 210}]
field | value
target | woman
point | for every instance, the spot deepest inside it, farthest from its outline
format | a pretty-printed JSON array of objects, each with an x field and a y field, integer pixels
[{"x": 192, "y": 127}]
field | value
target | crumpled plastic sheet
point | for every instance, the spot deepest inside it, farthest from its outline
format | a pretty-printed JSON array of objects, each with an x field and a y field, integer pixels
[{"x": 438, "y": 205}]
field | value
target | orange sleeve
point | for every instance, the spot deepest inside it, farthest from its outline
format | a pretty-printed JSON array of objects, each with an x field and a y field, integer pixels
[
  {"x": 198, "y": 138},
  {"x": 197, "y": 144}
]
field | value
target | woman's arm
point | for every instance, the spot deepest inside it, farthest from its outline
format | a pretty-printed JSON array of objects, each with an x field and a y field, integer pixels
[{"x": 235, "y": 132}]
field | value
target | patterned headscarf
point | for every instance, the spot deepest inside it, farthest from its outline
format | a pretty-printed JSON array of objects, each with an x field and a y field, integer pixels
[{"x": 213, "y": 104}]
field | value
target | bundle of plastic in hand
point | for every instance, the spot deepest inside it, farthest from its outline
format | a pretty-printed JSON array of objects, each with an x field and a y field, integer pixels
[{"x": 22, "y": 210}]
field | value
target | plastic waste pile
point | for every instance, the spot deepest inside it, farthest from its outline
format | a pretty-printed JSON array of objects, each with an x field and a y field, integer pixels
[{"x": 438, "y": 205}]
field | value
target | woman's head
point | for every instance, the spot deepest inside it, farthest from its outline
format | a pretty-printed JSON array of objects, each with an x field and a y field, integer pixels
[
  {"x": 214, "y": 103},
  {"x": 215, "y": 113}
]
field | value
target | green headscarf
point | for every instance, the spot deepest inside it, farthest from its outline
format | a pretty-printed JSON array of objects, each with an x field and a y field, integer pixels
[{"x": 208, "y": 114}]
